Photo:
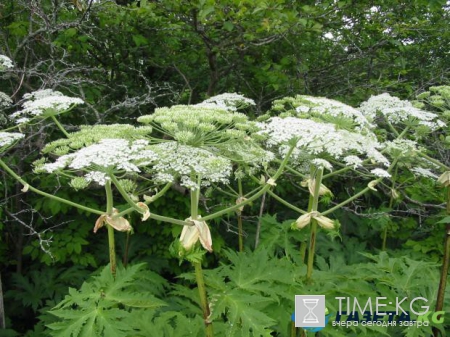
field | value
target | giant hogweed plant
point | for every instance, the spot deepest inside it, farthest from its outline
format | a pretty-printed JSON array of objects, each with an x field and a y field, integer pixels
[{"x": 198, "y": 147}]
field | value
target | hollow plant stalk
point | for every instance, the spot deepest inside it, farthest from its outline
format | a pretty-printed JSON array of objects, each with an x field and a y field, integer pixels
[
  {"x": 239, "y": 218},
  {"x": 111, "y": 242},
  {"x": 391, "y": 203},
  {"x": 195, "y": 197},
  {"x": 314, "y": 205}
]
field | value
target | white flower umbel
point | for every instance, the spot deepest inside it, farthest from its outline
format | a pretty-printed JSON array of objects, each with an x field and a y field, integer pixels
[
  {"x": 184, "y": 162},
  {"x": 319, "y": 140},
  {"x": 401, "y": 148},
  {"x": 106, "y": 157},
  {"x": 380, "y": 173},
  {"x": 328, "y": 110},
  {"x": 5, "y": 63},
  {"x": 91, "y": 134},
  {"x": 5, "y": 100},
  {"x": 397, "y": 111},
  {"x": 245, "y": 152},
  {"x": 199, "y": 126},
  {"x": 322, "y": 163},
  {"x": 227, "y": 101},
  {"x": 45, "y": 103},
  {"x": 352, "y": 161},
  {"x": 8, "y": 138},
  {"x": 423, "y": 172}
]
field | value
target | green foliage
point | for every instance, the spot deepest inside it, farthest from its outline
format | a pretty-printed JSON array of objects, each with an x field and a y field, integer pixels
[
  {"x": 124, "y": 60},
  {"x": 102, "y": 307},
  {"x": 37, "y": 287}
]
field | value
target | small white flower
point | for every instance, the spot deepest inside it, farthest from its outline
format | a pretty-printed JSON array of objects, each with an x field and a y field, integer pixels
[
  {"x": 5, "y": 100},
  {"x": 107, "y": 156},
  {"x": 322, "y": 163},
  {"x": 227, "y": 101},
  {"x": 183, "y": 161},
  {"x": 325, "y": 106},
  {"x": 8, "y": 138},
  {"x": 398, "y": 111},
  {"x": 424, "y": 172},
  {"x": 317, "y": 139},
  {"x": 401, "y": 147},
  {"x": 352, "y": 161},
  {"x": 44, "y": 103},
  {"x": 99, "y": 177},
  {"x": 380, "y": 173},
  {"x": 5, "y": 62}
]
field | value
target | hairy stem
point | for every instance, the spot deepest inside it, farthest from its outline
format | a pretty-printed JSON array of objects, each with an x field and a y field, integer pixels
[
  {"x": 286, "y": 203},
  {"x": 239, "y": 219},
  {"x": 203, "y": 299},
  {"x": 125, "y": 195},
  {"x": 59, "y": 125},
  {"x": 312, "y": 239},
  {"x": 434, "y": 161},
  {"x": 195, "y": 197},
  {"x": 391, "y": 203},
  {"x": 258, "y": 226},
  {"x": 111, "y": 242}
]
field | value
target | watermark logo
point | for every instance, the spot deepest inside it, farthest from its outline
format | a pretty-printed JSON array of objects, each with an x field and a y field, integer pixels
[
  {"x": 310, "y": 311},
  {"x": 312, "y": 315}
]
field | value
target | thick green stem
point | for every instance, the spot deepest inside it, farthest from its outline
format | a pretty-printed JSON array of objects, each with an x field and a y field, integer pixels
[
  {"x": 239, "y": 219},
  {"x": 391, "y": 203},
  {"x": 434, "y": 161},
  {"x": 125, "y": 195},
  {"x": 312, "y": 239},
  {"x": 51, "y": 196},
  {"x": 169, "y": 220},
  {"x": 445, "y": 266},
  {"x": 111, "y": 242},
  {"x": 286, "y": 203},
  {"x": 112, "y": 250},
  {"x": 345, "y": 202},
  {"x": 59, "y": 125},
  {"x": 303, "y": 246},
  {"x": 203, "y": 299},
  {"x": 195, "y": 197}
]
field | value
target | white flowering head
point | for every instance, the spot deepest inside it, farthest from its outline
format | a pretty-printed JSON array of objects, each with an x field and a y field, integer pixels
[
  {"x": 317, "y": 140},
  {"x": 401, "y": 149},
  {"x": 397, "y": 111},
  {"x": 322, "y": 109},
  {"x": 109, "y": 156},
  {"x": 5, "y": 100},
  {"x": 248, "y": 153},
  {"x": 380, "y": 173},
  {"x": 5, "y": 63},
  {"x": 189, "y": 165},
  {"x": 43, "y": 104},
  {"x": 91, "y": 134},
  {"x": 424, "y": 172},
  {"x": 227, "y": 101},
  {"x": 199, "y": 126},
  {"x": 9, "y": 138}
]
